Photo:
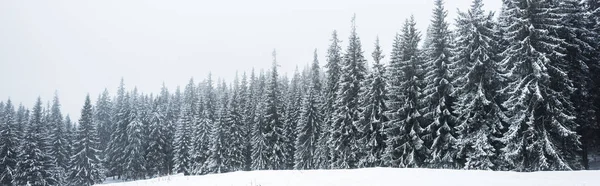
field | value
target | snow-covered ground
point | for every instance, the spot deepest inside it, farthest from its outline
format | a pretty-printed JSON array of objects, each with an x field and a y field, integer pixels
[{"x": 377, "y": 177}]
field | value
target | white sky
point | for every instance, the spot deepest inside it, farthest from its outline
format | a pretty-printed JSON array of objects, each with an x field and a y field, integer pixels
[{"x": 82, "y": 46}]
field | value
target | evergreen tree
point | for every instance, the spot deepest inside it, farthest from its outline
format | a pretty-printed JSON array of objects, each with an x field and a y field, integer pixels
[
  {"x": 311, "y": 121},
  {"x": 260, "y": 150},
  {"x": 202, "y": 130},
  {"x": 581, "y": 45},
  {"x": 293, "y": 116},
  {"x": 158, "y": 146},
  {"x": 9, "y": 145},
  {"x": 477, "y": 106},
  {"x": 58, "y": 137},
  {"x": 236, "y": 129},
  {"x": 114, "y": 160},
  {"x": 135, "y": 164},
  {"x": 172, "y": 117},
  {"x": 372, "y": 114},
  {"x": 343, "y": 138},
  {"x": 334, "y": 60},
  {"x": 405, "y": 144},
  {"x": 273, "y": 128},
  {"x": 85, "y": 166},
  {"x": 440, "y": 133},
  {"x": 104, "y": 118},
  {"x": 35, "y": 165},
  {"x": 183, "y": 136},
  {"x": 541, "y": 133},
  {"x": 248, "y": 112},
  {"x": 219, "y": 159}
]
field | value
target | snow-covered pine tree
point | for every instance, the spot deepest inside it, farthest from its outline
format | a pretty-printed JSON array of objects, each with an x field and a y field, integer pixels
[
  {"x": 248, "y": 111},
  {"x": 405, "y": 145},
  {"x": 104, "y": 118},
  {"x": 184, "y": 134},
  {"x": 172, "y": 117},
  {"x": 344, "y": 135},
  {"x": 70, "y": 137},
  {"x": 440, "y": 132},
  {"x": 58, "y": 139},
  {"x": 581, "y": 43},
  {"x": 9, "y": 145},
  {"x": 311, "y": 121},
  {"x": 273, "y": 128},
  {"x": 114, "y": 160},
  {"x": 293, "y": 117},
  {"x": 35, "y": 165},
  {"x": 477, "y": 105},
  {"x": 372, "y": 114},
  {"x": 22, "y": 119},
  {"x": 541, "y": 135},
  {"x": 219, "y": 159},
  {"x": 206, "y": 115},
  {"x": 236, "y": 129},
  {"x": 334, "y": 60},
  {"x": 260, "y": 149},
  {"x": 85, "y": 165},
  {"x": 135, "y": 162},
  {"x": 156, "y": 156}
]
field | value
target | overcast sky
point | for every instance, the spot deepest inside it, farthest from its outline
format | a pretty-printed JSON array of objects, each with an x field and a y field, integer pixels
[{"x": 81, "y": 46}]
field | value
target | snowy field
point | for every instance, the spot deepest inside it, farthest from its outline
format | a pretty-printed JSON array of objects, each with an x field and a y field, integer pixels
[{"x": 377, "y": 177}]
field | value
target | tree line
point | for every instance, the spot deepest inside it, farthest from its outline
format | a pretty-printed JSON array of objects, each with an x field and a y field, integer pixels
[{"x": 517, "y": 91}]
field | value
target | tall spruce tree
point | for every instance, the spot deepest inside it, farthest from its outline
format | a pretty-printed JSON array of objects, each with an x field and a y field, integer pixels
[
  {"x": 311, "y": 120},
  {"x": 541, "y": 133},
  {"x": 581, "y": 45},
  {"x": 104, "y": 118},
  {"x": 36, "y": 166},
  {"x": 236, "y": 128},
  {"x": 260, "y": 150},
  {"x": 85, "y": 165},
  {"x": 372, "y": 114},
  {"x": 333, "y": 65},
  {"x": 184, "y": 134},
  {"x": 344, "y": 135},
  {"x": 273, "y": 128},
  {"x": 114, "y": 160},
  {"x": 219, "y": 160},
  {"x": 405, "y": 144},
  {"x": 9, "y": 145},
  {"x": 440, "y": 132},
  {"x": 293, "y": 116},
  {"x": 59, "y": 144},
  {"x": 135, "y": 162},
  {"x": 477, "y": 105},
  {"x": 156, "y": 156}
]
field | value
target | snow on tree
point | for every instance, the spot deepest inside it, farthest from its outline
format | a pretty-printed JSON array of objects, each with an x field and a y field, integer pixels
[
  {"x": 334, "y": 60},
  {"x": 272, "y": 127},
  {"x": 581, "y": 45},
  {"x": 58, "y": 139},
  {"x": 405, "y": 144},
  {"x": 236, "y": 130},
  {"x": 248, "y": 109},
  {"x": 477, "y": 105},
  {"x": 156, "y": 153},
  {"x": 9, "y": 144},
  {"x": 311, "y": 121},
  {"x": 260, "y": 152},
  {"x": 85, "y": 165},
  {"x": 541, "y": 133},
  {"x": 135, "y": 162},
  {"x": 36, "y": 166},
  {"x": 205, "y": 113},
  {"x": 114, "y": 160},
  {"x": 104, "y": 118},
  {"x": 184, "y": 134},
  {"x": 219, "y": 159},
  {"x": 440, "y": 133},
  {"x": 372, "y": 114},
  {"x": 343, "y": 134},
  {"x": 293, "y": 117}
]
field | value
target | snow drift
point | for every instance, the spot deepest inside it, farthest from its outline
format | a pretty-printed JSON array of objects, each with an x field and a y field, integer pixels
[{"x": 377, "y": 177}]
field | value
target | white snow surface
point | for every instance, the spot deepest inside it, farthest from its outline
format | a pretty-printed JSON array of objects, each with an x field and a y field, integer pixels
[{"x": 376, "y": 177}]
